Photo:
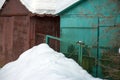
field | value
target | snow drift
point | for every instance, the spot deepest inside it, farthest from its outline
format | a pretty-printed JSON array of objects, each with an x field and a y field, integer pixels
[{"x": 43, "y": 63}]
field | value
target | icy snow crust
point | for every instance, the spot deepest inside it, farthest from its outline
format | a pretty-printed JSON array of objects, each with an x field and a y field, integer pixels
[{"x": 43, "y": 63}]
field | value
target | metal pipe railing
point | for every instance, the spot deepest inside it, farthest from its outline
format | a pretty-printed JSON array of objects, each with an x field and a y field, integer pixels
[
  {"x": 80, "y": 54},
  {"x": 52, "y": 37}
]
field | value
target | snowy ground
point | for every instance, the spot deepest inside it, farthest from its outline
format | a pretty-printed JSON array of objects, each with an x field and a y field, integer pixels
[{"x": 43, "y": 63}]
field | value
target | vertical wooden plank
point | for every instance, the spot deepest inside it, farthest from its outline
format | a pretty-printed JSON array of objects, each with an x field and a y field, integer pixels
[
  {"x": 2, "y": 57},
  {"x": 20, "y": 34},
  {"x": 8, "y": 38},
  {"x": 27, "y": 43},
  {"x": 1, "y": 30},
  {"x": 14, "y": 37},
  {"x": 32, "y": 31},
  {"x": 3, "y": 37}
]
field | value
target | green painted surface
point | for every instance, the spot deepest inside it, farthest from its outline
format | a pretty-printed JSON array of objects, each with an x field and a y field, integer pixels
[
  {"x": 95, "y": 22},
  {"x": 78, "y": 21}
]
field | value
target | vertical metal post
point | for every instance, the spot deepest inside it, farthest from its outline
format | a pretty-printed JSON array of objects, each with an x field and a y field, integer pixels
[
  {"x": 80, "y": 54},
  {"x": 51, "y": 37},
  {"x": 98, "y": 34},
  {"x": 47, "y": 39}
]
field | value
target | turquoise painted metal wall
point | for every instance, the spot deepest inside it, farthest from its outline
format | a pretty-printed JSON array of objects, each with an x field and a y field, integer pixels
[{"x": 95, "y": 22}]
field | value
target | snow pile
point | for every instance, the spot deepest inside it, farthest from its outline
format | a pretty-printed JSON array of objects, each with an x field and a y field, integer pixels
[
  {"x": 43, "y": 63},
  {"x": 47, "y": 6}
]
